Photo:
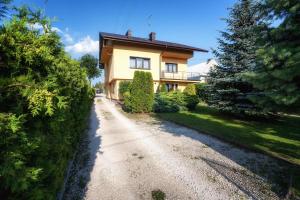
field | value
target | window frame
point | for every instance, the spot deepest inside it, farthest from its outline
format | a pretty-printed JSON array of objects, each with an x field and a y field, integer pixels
[
  {"x": 136, "y": 62},
  {"x": 172, "y": 64}
]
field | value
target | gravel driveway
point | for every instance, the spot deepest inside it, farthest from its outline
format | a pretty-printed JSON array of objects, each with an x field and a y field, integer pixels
[{"x": 130, "y": 156}]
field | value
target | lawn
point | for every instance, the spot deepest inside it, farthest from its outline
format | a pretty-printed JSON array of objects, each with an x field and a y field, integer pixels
[{"x": 279, "y": 138}]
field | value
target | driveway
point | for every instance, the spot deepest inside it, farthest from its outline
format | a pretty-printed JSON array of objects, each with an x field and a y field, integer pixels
[{"x": 130, "y": 156}]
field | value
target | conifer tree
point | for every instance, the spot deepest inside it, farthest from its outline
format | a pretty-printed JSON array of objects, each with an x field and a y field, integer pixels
[
  {"x": 235, "y": 54},
  {"x": 278, "y": 69}
]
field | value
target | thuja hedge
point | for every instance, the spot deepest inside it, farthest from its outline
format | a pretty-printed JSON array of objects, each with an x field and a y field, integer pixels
[
  {"x": 44, "y": 103},
  {"x": 140, "y": 98}
]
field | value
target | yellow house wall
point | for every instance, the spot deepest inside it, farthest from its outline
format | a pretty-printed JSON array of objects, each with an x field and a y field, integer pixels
[
  {"x": 118, "y": 68},
  {"x": 121, "y": 61}
]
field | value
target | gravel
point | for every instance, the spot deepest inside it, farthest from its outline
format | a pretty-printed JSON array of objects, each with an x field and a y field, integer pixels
[{"x": 132, "y": 156}]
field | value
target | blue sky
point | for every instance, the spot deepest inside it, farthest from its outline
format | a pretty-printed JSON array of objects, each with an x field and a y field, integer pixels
[{"x": 192, "y": 22}]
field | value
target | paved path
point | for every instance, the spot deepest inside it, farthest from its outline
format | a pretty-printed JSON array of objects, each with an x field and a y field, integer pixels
[{"x": 133, "y": 156}]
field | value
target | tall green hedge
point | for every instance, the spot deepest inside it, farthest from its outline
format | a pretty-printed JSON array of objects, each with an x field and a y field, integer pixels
[
  {"x": 141, "y": 95},
  {"x": 45, "y": 99}
]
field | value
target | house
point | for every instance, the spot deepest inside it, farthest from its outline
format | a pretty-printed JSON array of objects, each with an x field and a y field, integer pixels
[
  {"x": 121, "y": 55},
  {"x": 203, "y": 68}
]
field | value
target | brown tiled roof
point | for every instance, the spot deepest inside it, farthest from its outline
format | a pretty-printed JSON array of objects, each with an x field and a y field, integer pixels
[{"x": 145, "y": 41}]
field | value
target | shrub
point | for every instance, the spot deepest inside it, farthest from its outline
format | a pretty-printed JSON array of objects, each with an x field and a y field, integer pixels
[
  {"x": 127, "y": 102},
  {"x": 169, "y": 102},
  {"x": 163, "y": 88},
  {"x": 45, "y": 99},
  {"x": 191, "y": 101},
  {"x": 178, "y": 98},
  {"x": 163, "y": 103},
  {"x": 124, "y": 86},
  {"x": 202, "y": 91},
  {"x": 141, "y": 96},
  {"x": 190, "y": 89}
]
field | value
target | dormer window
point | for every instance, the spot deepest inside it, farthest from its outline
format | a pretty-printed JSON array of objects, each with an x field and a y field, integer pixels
[{"x": 139, "y": 63}]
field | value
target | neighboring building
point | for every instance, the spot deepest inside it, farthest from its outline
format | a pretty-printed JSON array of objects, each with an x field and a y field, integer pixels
[
  {"x": 121, "y": 55},
  {"x": 203, "y": 68}
]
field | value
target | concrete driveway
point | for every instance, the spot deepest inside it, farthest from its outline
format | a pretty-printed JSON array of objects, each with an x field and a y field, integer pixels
[{"x": 130, "y": 156}]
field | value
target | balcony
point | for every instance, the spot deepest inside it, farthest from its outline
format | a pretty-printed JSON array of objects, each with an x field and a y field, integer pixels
[{"x": 187, "y": 76}]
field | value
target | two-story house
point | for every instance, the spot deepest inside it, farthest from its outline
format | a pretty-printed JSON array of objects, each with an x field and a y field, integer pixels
[{"x": 121, "y": 55}]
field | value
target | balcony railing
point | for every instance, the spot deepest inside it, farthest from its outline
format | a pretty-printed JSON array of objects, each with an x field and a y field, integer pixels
[{"x": 190, "y": 76}]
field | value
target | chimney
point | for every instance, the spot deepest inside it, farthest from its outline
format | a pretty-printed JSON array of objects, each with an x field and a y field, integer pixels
[
  {"x": 152, "y": 36},
  {"x": 129, "y": 33}
]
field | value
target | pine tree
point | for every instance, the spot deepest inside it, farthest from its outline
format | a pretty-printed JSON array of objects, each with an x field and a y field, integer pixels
[
  {"x": 278, "y": 70},
  {"x": 235, "y": 54}
]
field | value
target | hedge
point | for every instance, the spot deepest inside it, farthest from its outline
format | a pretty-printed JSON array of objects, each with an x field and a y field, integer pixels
[
  {"x": 141, "y": 95},
  {"x": 45, "y": 99}
]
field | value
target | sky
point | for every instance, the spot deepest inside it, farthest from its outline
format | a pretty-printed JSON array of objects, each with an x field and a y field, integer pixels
[{"x": 192, "y": 22}]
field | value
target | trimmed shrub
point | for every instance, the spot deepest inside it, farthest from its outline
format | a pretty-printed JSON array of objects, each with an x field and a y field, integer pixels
[
  {"x": 124, "y": 86},
  {"x": 190, "y": 89},
  {"x": 141, "y": 96}
]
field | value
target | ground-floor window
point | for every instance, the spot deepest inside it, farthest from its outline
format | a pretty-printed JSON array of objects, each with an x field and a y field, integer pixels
[{"x": 171, "y": 86}]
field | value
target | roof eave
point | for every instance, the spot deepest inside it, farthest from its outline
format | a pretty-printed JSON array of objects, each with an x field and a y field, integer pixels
[{"x": 149, "y": 43}]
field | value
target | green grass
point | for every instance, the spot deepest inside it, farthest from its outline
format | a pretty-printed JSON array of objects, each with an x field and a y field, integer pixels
[
  {"x": 158, "y": 195},
  {"x": 279, "y": 138}
]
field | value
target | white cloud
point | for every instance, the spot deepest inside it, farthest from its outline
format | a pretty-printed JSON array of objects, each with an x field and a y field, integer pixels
[
  {"x": 68, "y": 38},
  {"x": 35, "y": 26},
  {"x": 55, "y": 29},
  {"x": 85, "y": 45}
]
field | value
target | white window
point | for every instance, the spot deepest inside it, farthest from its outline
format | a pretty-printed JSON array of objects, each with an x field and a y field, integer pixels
[
  {"x": 132, "y": 62},
  {"x": 146, "y": 63},
  {"x": 139, "y": 63}
]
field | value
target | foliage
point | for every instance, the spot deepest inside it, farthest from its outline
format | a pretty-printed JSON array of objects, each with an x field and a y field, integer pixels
[
  {"x": 127, "y": 101},
  {"x": 44, "y": 102},
  {"x": 124, "y": 86},
  {"x": 90, "y": 63},
  {"x": 158, "y": 195},
  {"x": 277, "y": 75},
  {"x": 141, "y": 93},
  {"x": 190, "y": 89},
  {"x": 236, "y": 54},
  {"x": 191, "y": 101},
  {"x": 163, "y": 88},
  {"x": 190, "y": 97},
  {"x": 173, "y": 101},
  {"x": 202, "y": 91},
  {"x": 164, "y": 102}
]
